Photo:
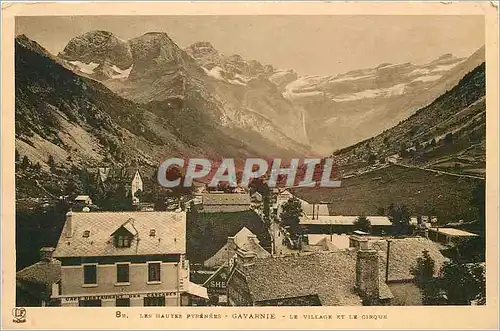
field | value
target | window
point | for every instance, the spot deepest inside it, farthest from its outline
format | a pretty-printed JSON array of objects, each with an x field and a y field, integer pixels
[
  {"x": 90, "y": 274},
  {"x": 123, "y": 302},
  {"x": 90, "y": 303},
  {"x": 123, "y": 241},
  {"x": 154, "y": 272},
  {"x": 86, "y": 234},
  {"x": 154, "y": 301},
  {"x": 122, "y": 273},
  {"x": 152, "y": 232}
]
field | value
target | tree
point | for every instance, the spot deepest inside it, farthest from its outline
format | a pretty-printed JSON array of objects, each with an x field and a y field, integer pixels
[
  {"x": 17, "y": 156},
  {"x": 52, "y": 164},
  {"x": 362, "y": 223},
  {"x": 423, "y": 272},
  {"x": 463, "y": 283},
  {"x": 479, "y": 204},
  {"x": 266, "y": 207},
  {"x": 380, "y": 211},
  {"x": 291, "y": 213},
  {"x": 25, "y": 163},
  {"x": 400, "y": 219},
  {"x": 433, "y": 142},
  {"x": 37, "y": 167},
  {"x": 139, "y": 194},
  {"x": 71, "y": 188},
  {"x": 258, "y": 185},
  {"x": 448, "y": 139}
]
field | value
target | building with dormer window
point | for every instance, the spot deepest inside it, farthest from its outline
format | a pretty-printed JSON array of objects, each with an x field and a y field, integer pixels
[{"x": 124, "y": 259}]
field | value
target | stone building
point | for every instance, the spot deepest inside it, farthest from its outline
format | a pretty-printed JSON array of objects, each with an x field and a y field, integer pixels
[
  {"x": 370, "y": 272},
  {"x": 350, "y": 277},
  {"x": 124, "y": 259}
]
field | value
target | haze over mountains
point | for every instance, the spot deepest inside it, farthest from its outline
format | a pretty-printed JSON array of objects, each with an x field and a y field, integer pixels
[{"x": 157, "y": 99}]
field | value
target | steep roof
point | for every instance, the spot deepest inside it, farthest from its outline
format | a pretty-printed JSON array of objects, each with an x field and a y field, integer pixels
[
  {"x": 345, "y": 220},
  {"x": 42, "y": 272},
  {"x": 244, "y": 240},
  {"x": 226, "y": 199},
  {"x": 329, "y": 275},
  {"x": 323, "y": 245},
  {"x": 454, "y": 232},
  {"x": 316, "y": 208},
  {"x": 169, "y": 238},
  {"x": 114, "y": 173},
  {"x": 403, "y": 255}
]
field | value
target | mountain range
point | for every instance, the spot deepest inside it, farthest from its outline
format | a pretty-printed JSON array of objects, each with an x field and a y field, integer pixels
[{"x": 104, "y": 99}]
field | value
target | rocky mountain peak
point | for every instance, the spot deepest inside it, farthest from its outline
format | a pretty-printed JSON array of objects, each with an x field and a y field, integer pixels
[
  {"x": 154, "y": 53},
  {"x": 205, "y": 54},
  {"x": 201, "y": 48},
  {"x": 98, "y": 47}
]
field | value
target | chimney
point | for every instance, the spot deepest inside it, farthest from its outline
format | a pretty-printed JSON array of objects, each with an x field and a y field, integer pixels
[
  {"x": 246, "y": 258},
  {"x": 367, "y": 273},
  {"x": 231, "y": 242},
  {"x": 46, "y": 254},
  {"x": 253, "y": 238},
  {"x": 355, "y": 241},
  {"x": 68, "y": 233}
]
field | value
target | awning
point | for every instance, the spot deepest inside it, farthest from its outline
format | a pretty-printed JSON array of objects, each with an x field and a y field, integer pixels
[{"x": 197, "y": 290}]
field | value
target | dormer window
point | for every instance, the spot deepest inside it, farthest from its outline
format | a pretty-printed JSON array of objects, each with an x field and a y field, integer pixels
[
  {"x": 124, "y": 235},
  {"x": 123, "y": 240}
]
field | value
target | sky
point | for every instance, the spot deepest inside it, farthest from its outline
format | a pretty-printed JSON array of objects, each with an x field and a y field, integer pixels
[{"x": 310, "y": 45}]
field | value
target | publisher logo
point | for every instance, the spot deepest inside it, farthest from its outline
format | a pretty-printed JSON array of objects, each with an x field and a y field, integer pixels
[{"x": 19, "y": 315}]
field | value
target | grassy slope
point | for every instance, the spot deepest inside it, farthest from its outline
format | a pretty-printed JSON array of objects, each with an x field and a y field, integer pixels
[{"x": 423, "y": 192}]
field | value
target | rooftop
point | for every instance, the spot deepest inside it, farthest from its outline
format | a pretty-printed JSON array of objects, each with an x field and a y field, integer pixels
[
  {"x": 244, "y": 240},
  {"x": 345, "y": 220},
  {"x": 226, "y": 199},
  {"x": 403, "y": 255},
  {"x": 42, "y": 272},
  {"x": 323, "y": 244},
  {"x": 454, "y": 232},
  {"x": 92, "y": 234},
  {"x": 329, "y": 275}
]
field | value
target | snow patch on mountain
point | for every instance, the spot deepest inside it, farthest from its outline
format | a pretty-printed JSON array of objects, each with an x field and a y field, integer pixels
[
  {"x": 86, "y": 68},
  {"x": 350, "y": 78},
  {"x": 419, "y": 72},
  {"x": 395, "y": 90},
  {"x": 121, "y": 74},
  {"x": 219, "y": 73},
  {"x": 446, "y": 67},
  {"x": 429, "y": 78}
]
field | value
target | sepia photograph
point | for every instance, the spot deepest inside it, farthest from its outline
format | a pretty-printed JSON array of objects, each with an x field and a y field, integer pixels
[{"x": 234, "y": 161}]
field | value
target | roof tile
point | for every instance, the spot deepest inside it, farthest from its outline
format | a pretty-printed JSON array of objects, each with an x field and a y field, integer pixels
[{"x": 170, "y": 234}]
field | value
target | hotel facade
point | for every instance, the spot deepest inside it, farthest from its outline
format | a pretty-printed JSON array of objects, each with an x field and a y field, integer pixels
[{"x": 124, "y": 259}]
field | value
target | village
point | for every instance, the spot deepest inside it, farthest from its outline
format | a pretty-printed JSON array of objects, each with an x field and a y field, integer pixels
[{"x": 245, "y": 246}]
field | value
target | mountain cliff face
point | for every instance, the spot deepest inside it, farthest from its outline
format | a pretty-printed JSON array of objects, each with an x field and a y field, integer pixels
[
  {"x": 350, "y": 107},
  {"x": 99, "y": 54},
  {"x": 448, "y": 135},
  {"x": 162, "y": 75},
  {"x": 305, "y": 114},
  {"x": 80, "y": 122}
]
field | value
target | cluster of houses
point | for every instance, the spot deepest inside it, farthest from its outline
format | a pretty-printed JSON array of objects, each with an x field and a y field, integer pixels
[{"x": 139, "y": 258}]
